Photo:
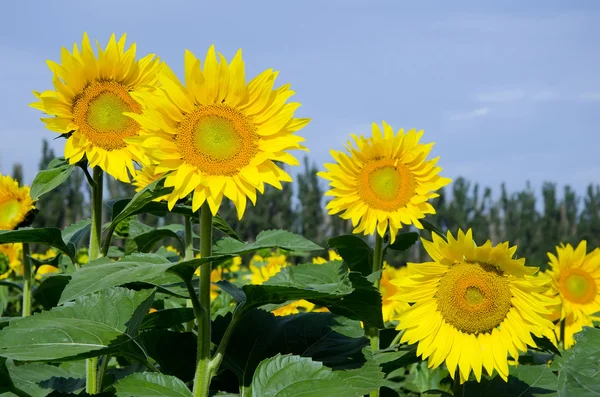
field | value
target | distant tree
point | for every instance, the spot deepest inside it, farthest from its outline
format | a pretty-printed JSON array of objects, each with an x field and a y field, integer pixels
[
  {"x": 17, "y": 173},
  {"x": 310, "y": 210}
]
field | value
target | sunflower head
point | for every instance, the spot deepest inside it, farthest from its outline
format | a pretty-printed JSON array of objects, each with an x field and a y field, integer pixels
[
  {"x": 575, "y": 276},
  {"x": 391, "y": 308},
  {"x": 221, "y": 137},
  {"x": 45, "y": 270},
  {"x": 91, "y": 94},
  {"x": 472, "y": 306},
  {"x": 15, "y": 203},
  {"x": 383, "y": 181},
  {"x": 333, "y": 256},
  {"x": 10, "y": 259}
]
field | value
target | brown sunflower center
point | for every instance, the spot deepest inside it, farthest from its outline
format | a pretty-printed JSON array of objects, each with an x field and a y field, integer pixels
[
  {"x": 474, "y": 298},
  {"x": 578, "y": 286},
  {"x": 10, "y": 208},
  {"x": 217, "y": 139},
  {"x": 4, "y": 263},
  {"x": 386, "y": 185},
  {"x": 98, "y": 111}
]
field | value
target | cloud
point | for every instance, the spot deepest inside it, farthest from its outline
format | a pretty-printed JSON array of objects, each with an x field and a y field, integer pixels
[
  {"x": 517, "y": 95},
  {"x": 475, "y": 113},
  {"x": 590, "y": 96}
]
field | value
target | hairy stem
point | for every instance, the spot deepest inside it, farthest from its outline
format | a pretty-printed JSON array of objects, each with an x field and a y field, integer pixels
[
  {"x": 189, "y": 239},
  {"x": 373, "y": 332},
  {"x": 91, "y": 380},
  {"x": 26, "y": 281},
  {"x": 202, "y": 376}
]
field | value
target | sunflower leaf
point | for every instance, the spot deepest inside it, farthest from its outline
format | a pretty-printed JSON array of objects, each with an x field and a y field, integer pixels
[
  {"x": 275, "y": 238},
  {"x": 49, "y": 179},
  {"x": 404, "y": 241},
  {"x": 144, "y": 384},
  {"x": 145, "y": 242},
  {"x": 48, "y": 235},
  {"x": 72, "y": 234},
  {"x": 579, "y": 366},
  {"x": 355, "y": 252},
  {"x": 91, "y": 326}
]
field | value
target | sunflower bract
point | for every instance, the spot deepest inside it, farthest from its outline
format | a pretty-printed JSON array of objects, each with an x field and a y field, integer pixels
[
  {"x": 91, "y": 94},
  {"x": 221, "y": 136},
  {"x": 384, "y": 181}
]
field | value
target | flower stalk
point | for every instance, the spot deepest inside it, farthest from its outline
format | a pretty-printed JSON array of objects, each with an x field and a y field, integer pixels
[
  {"x": 373, "y": 332},
  {"x": 27, "y": 275}
]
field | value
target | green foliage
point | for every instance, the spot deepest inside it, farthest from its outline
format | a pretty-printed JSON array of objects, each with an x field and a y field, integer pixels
[
  {"x": 579, "y": 366},
  {"x": 47, "y": 180},
  {"x": 355, "y": 252},
  {"x": 48, "y": 236},
  {"x": 150, "y": 384}
]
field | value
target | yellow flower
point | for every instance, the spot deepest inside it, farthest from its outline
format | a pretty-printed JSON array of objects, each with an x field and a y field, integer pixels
[
  {"x": 333, "y": 256},
  {"x": 44, "y": 270},
  {"x": 91, "y": 94},
  {"x": 170, "y": 248},
  {"x": 216, "y": 274},
  {"x": 220, "y": 136},
  {"x": 391, "y": 308},
  {"x": 575, "y": 276},
  {"x": 15, "y": 203},
  {"x": 384, "y": 181},
  {"x": 145, "y": 176},
  {"x": 271, "y": 265},
  {"x": 295, "y": 308},
  {"x": 152, "y": 310},
  {"x": 49, "y": 254},
  {"x": 473, "y": 306},
  {"x": 10, "y": 259},
  {"x": 82, "y": 256}
]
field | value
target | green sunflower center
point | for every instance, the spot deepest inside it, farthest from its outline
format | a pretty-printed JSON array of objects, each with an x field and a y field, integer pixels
[
  {"x": 386, "y": 185},
  {"x": 217, "y": 139},
  {"x": 98, "y": 112},
  {"x": 578, "y": 286},
  {"x": 4, "y": 263},
  {"x": 474, "y": 298},
  {"x": 9, "y": 210}
]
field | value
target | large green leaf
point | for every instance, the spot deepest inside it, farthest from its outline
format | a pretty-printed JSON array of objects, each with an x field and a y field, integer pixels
[
  {"x": 579, "y": 367},
  {"x": 174, "y": 352},
  {"x": 49, "y": 179},
  {"x": 365, "y": 378},
  {"x": 404, "y": 241},
  {"x": 34, "y": 378},
  {"x": 48, "y": 235},
  {"x": 73, "y": 234},
  {"x": 85, "y": 328},
  {"x": 50, "y": 289},
  {"x": 336, "y": 341},
  {"x": 146, "y": 384},
  {"x": 355, "y": 251},
  {"x": 266, "y": 239},
  {"x": 98, "y": 275},
  {"x": 523, "y": 381},
  {"x": 292, "y": 376},
  {"x": 145, "y": 242},
  {"x": 168, "y": 318}
]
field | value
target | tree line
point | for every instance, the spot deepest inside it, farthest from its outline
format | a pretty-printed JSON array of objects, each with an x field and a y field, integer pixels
[{"x": 534, "y": 222}]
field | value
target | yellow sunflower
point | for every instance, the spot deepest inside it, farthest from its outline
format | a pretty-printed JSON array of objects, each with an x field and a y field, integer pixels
[
  {"x": 145, "y": 176},
  {"x": 216, "y": 274},
  {"x": 10, "y": 259},
  {"x": 473, "y": 306},
  {"x": 333, "y": 256},
  {"x": 385, "y": 180},
  {"x": 220, "y": 135},
  {"x": 15, "y": 203},
  {"x": 391, "y": 308},
  {"x": 91, "y": 94},
  {"x": 263, "y": 269},
  {"x": 575, "y": 278},
  {"x": 45, "y": 270},
  {"x": 49, "y": 254}
]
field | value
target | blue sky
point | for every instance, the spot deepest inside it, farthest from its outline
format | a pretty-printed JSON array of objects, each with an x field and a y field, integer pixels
[{"x": 509, "y": 92}]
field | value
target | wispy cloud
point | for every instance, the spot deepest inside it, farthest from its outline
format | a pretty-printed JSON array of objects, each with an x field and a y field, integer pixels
[
  {"x": 475, "y": 113},
  {"x": 517, "y": 95}
]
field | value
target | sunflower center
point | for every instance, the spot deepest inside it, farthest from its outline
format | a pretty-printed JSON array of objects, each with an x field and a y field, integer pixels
[
  {"x": 9, "y": 210},
  {"x": 386, "y": 185},
  {"x": 98, "y": 111},
  {"x": 4, "y": 263},
  {"x": 217, "y": 139},
  {"x": 578, "y": 286},
  {"x": 473, "y": 297}
]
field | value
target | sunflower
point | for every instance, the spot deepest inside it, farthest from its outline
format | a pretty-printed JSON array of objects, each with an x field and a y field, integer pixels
[
  {"x": 91, "y": 94},
  {"x": 473, "y": 306},
  {"x": 45, "y": 270},
  {"x": 220, "y": 136},
  {"x": 46, "y": 256},
  {"x": 15, "y": 203},
  {"x": 391, "y": 308},
  {"x": 575, "y": 276},
  {"x": 10, "y": 259},
  {"x": 216, "y": 274},
  {"x": 333, "y": 256},
  {"x": 384, "y": 181}
]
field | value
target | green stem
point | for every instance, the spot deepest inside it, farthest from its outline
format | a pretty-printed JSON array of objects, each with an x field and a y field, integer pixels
[
  {"x": 373, "y": 332},
  {"x": 562, "y": 332},
  {"x": 202, "y": 376},
  {"x": 91, "y": 380},
  {"x": 18, "y": 392},
  {"x": 101, "y": 371},
  {"x": 189, "y": 239},
  {"x": 26, "y": 281},
  {"x": 397, "y": 338},
  {"x": 96, "y": 232},
  {"x": 215, "y": 363},
  {"x": 91, "y": 366}
]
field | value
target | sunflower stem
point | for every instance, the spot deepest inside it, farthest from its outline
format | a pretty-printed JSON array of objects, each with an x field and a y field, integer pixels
[
  {"x": 101, "y": 371},
  {"x": 373, "y": 332},
  {"x": 202, "y": 376},
  {"x": 91, "y": 380},
  {"x": 26, "y": 281},
  {"x": 189, "y": 254},
  {"x": 563, "y": 324}
]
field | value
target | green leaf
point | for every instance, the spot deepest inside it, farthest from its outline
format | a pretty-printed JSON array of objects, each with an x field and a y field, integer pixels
[
  {"x": 167, "y": 318},
  {"x": 48, "y": 235},
  {"x": 28, "y": 377},
  {"x": 49, "y": 179},
  {"x": 72, "y": 234},
  {"x": 404, "y": 241},
  {"x": 329, "y": 285},
  {"x": 151, "y": 384},
  {"x": 85, "y": 328},
  {"x": 49, "y": 291},
  {"x": 175, "y": 352},
  {"x": 145, "y": 242},
  {"x": 96, "y": 276},
  {"x": 579, "y": 367},
  {"x": 336, "y": 341},
  {"x": 355, "y": 252},
  {"x": 428, "y": 226},
  {"x": 265, "y": 239},
  {"x": 523, "y": 380},
  {"x": 6, "y": 383},
  {"x": 154, "y": 190},
  {"x": 291, "y": 376},
  {"x": 221, "y": 224},
  {"x": 421, "y": 379},
  {"x": 365, "y": 378}
]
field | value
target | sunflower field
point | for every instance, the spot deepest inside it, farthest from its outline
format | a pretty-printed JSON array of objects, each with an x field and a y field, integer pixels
[{"x": 112, "y": 306}]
